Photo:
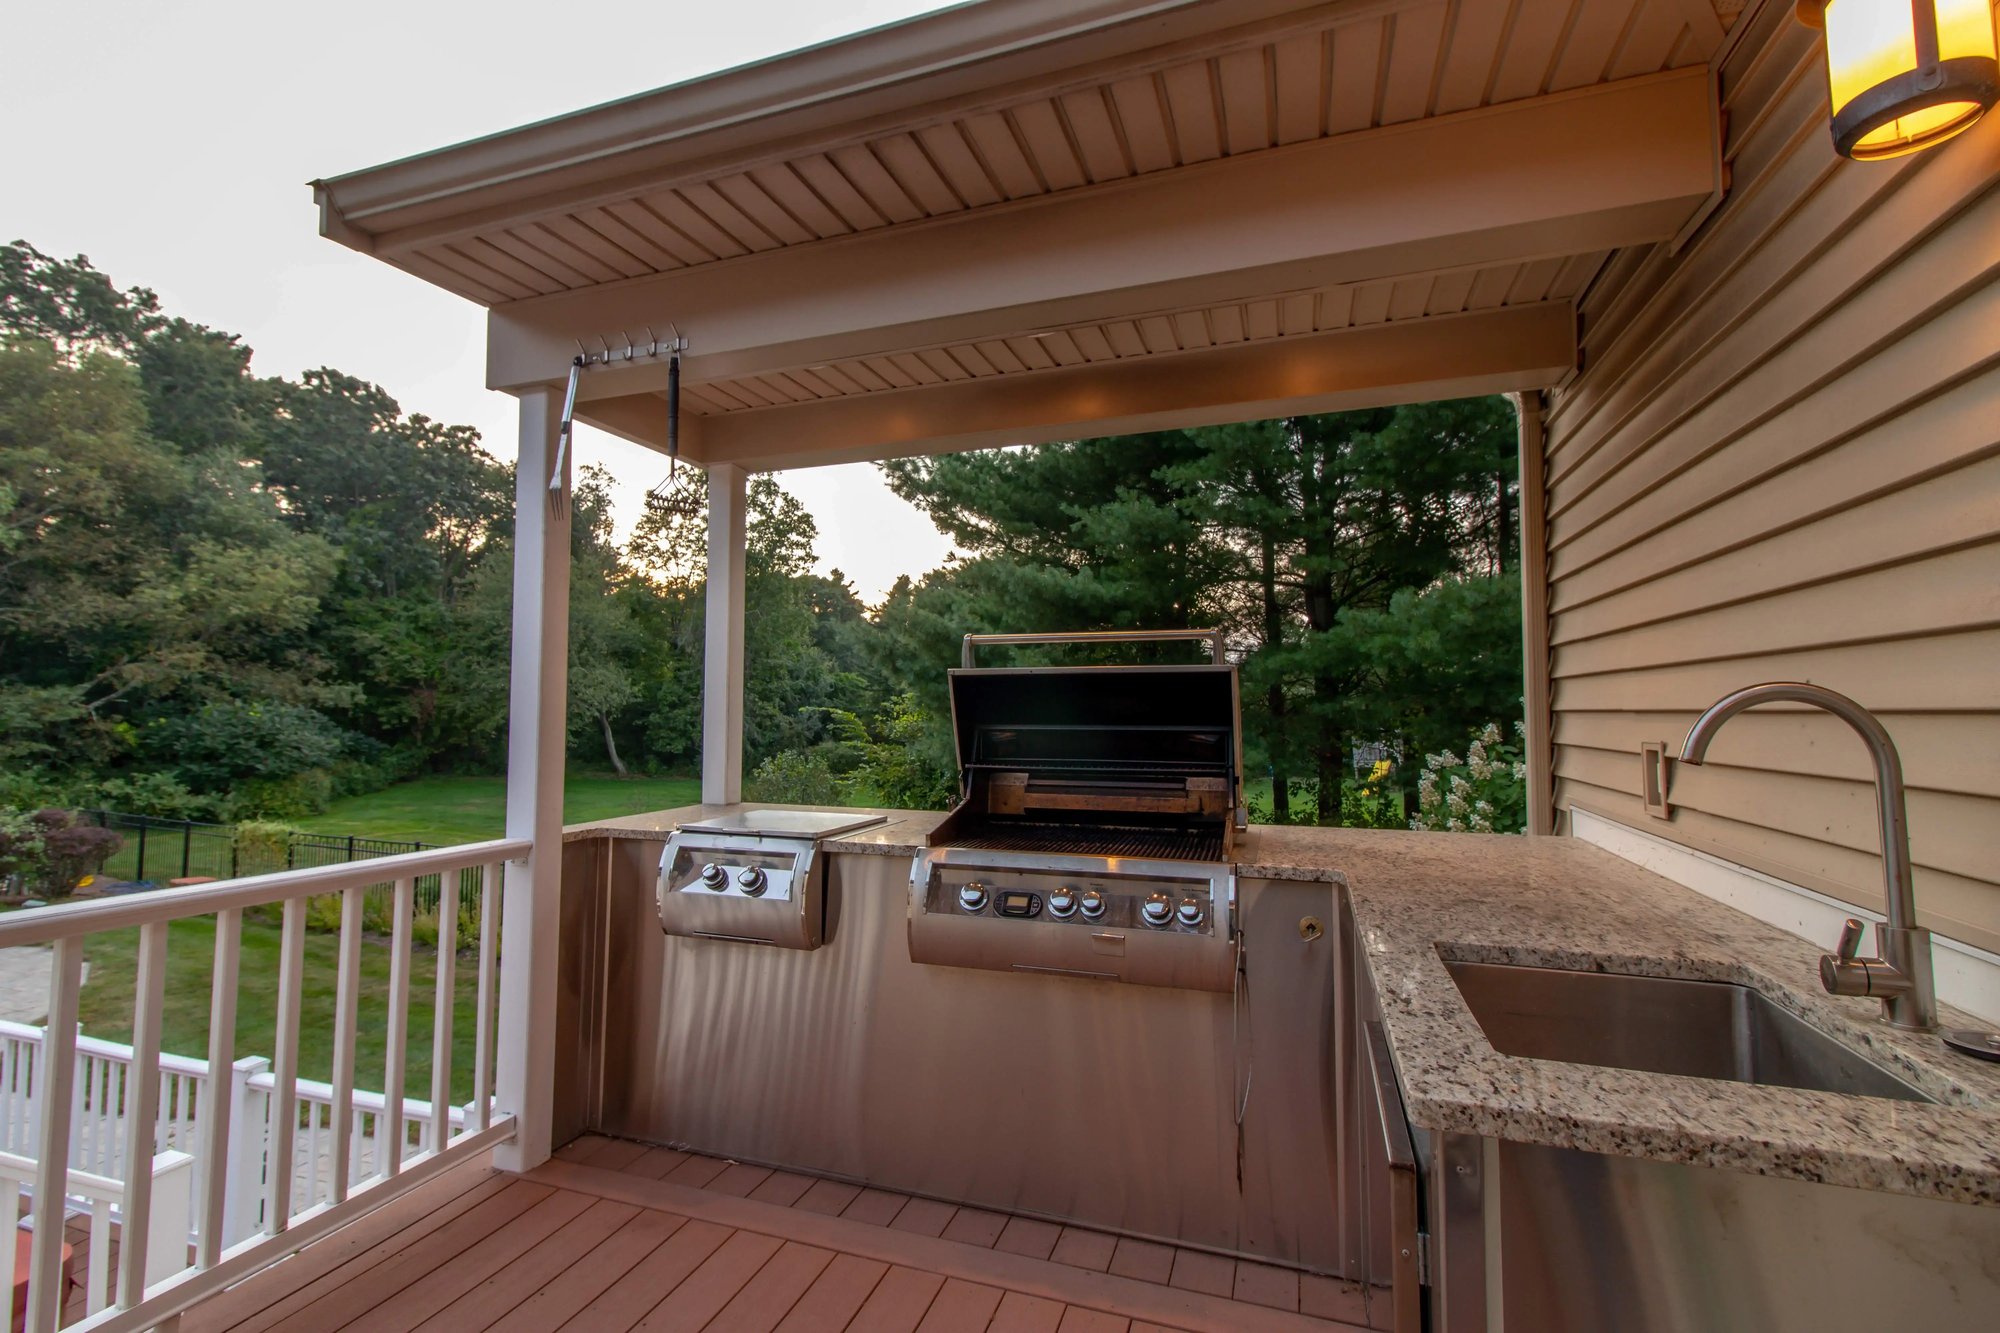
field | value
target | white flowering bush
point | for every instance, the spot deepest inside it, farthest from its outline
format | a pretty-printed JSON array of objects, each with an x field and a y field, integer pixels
[{"x": 1486, "y": 792}]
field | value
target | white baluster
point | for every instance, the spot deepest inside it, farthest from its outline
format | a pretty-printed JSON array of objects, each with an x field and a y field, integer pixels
[
  {"x": 57, "y": 1076},
  {"x": 347, "y": 991},
  {"x": 447, "y": 963},
  {"x": 389, "y": 1130},
  {"x": 482, "y": 1041},
  {"x": 279, "y": 1163},
  {"x": 142, "y": 1090},
  {"x": 216, "y": 1139}
]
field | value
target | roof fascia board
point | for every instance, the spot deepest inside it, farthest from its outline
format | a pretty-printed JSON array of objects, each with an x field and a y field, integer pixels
[
  {"x": 1498, "y": 351},
  {"x": 726, "y": 121},
  {"x": 1617, "y": 165}
]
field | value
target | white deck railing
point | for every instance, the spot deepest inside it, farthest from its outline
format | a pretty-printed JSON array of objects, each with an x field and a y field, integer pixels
[
  {"x": 100, "y": 1197},
  {"x": 98, "y": 1137},
  {"x": 73, "y": 1097}
]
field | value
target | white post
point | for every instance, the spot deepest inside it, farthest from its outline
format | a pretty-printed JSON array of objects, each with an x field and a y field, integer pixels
[
  {"x": 722, "y": 655},
  {"x": 243, "y": 1176},
  {"x": 172, "y": 1174},
  {"x": 536, "y": 735},
  {"x": 1535, "y": 616}
]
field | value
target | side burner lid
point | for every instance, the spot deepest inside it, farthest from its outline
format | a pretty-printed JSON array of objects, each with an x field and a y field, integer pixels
[{"x": 786, "y": 823}]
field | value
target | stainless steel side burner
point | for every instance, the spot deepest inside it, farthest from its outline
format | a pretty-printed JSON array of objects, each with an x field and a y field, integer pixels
[{"x": 752, "y": 875}]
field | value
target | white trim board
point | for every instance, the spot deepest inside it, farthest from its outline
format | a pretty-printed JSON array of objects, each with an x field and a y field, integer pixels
[{"x": 1967, "y": 976}]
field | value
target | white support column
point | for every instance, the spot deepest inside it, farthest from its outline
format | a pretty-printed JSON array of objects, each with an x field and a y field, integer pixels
[
  {"x": 537, "y": 699},
  {"x": 722, "y": 655},
  {"x": 1537, "y": 699}
]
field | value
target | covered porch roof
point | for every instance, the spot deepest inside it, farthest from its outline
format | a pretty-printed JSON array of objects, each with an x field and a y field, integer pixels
[{"x": 1024, "y": 220}]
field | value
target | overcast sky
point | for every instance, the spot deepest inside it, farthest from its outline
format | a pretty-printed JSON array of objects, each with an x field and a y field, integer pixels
[{"x": 171, "y": 141}]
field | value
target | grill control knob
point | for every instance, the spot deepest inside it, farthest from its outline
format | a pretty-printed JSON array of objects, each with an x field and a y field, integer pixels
[
  {"x": 972, "y": 897},
  {"x": 1061, "y": 903},
  {"x": 1189, "y": 913},
  {"x": 753, "y": 880},
  {"x": 1158, "y": 909},
  {"x": 714, "y": 877},
  {"x": 1092, "y": 903}
]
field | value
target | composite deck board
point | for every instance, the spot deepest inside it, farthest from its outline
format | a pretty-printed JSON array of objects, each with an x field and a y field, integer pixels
[
  {"x": 548, "y": 1261},
  {"x": 497, "y": 1255},
  {"x": 835, "y": 1297},
  {"x": 1017, "y": 1313},
  {"x": 899, "y": 1302},
  {"x": 770, "y": 1295},
  {"x": 557, "y": 1303},
  {"x": 960, "y": 1305},
  {"x": 704, "y": 1293},
  {"x": 296, "y": 1282},
  {"x": 629, "y": 1299},
  {"x": 436, "y": 1253},
  {"x": 610, "y": 1236}
]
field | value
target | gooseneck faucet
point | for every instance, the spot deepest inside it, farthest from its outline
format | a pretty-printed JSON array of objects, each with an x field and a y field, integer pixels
[{"x": 1901, "y": 977}]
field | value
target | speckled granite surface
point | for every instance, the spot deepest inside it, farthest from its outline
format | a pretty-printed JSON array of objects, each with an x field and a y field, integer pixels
[{"x": 1555, "y": 902}]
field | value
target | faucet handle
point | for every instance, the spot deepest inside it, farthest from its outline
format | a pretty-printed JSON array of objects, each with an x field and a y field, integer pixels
[
  {"x": 1850, "y": 940},
  {"x": 1843, "y": 972}
]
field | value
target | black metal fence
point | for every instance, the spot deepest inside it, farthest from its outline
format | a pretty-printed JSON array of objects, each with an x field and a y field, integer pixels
[
  {"x": 330, "y": 849},
  {"x": 159, "y": 850}
]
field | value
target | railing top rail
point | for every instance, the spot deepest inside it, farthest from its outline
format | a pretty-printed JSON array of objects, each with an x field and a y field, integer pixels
[
  {"x": 45, "y": 925},
  {"x": 103, "y": 1049}
]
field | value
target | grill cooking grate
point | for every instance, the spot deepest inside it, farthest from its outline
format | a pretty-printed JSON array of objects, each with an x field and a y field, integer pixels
[{"x": 1060, "y": 840}]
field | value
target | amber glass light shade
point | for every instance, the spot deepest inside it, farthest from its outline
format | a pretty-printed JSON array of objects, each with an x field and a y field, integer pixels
[{"x": 1905, "y": 74}]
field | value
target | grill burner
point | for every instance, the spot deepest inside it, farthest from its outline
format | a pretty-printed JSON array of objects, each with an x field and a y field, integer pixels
[{"x": 1069, "y": 840}]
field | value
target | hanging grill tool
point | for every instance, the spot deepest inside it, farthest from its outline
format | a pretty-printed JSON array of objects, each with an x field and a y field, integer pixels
[{"x": 604, "y": 356}]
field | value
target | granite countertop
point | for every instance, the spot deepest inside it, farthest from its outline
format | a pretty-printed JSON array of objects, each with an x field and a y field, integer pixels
[
  {"x": 1420, "y": 898},
  {"x": 1556, "y": 902}
]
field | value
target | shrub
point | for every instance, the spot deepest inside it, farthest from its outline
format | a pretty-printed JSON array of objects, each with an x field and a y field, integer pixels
[
  {"x": 225, "y": 745},
  {"x": 902, "y": 772},
  {"x": 158, "y": 794},
  {"x": 1486, "y": 793},
  {"x": 291, "y": 797},
  {"x": 794, "y": 777},
  {"x": 52, "y": 852},
  {"x": 1370, "y": 802},
  {"x": 20, "y": 847},
  {"x": 262, "y": 847}
]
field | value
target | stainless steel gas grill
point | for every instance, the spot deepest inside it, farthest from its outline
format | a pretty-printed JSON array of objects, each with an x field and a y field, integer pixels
[
  {"x": 1097, "y": 810},
  {"x": 752, "y": 875}
]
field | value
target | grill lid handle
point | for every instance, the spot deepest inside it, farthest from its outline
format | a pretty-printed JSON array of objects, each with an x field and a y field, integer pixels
[{"x": 1213, "y": 637}]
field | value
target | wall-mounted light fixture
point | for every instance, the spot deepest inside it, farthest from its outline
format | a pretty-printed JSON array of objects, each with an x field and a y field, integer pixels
[{"x": 1905, "y": 74}]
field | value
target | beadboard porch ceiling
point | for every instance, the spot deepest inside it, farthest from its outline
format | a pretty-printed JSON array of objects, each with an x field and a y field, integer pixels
[{"x": 1008, "y": 220}]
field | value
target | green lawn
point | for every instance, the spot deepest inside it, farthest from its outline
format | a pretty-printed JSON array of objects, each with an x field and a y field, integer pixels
[
  {"x": 107, "y": 1001},
  {"x": 440, "y": 811},
  {"x": 443, "y": 811}
]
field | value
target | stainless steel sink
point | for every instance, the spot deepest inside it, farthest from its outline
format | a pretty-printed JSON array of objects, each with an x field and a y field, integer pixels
[{"x": 1706, "y": 1029}]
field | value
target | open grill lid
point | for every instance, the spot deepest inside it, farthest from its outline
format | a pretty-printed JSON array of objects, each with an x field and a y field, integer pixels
[
  {"x": 1095, "y": 755},
  {"x": 1096, "y": 723}
]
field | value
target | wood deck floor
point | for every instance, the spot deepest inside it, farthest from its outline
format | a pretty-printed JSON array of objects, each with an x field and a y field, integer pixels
[{"x": 614, "y": 1235}]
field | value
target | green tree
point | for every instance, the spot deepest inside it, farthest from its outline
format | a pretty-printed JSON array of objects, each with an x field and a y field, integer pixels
[
  {"x": 1279, "y": 531},
  {"x": 134, "y": 578},
  {"x": 178, "y": 536}
]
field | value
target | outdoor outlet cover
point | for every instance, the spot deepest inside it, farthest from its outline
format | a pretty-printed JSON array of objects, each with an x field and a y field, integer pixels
[{"x": 1655, "y": 764}]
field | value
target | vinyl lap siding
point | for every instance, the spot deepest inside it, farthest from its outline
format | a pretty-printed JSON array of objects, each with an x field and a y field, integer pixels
[{"x": 1781, "y": 459}]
